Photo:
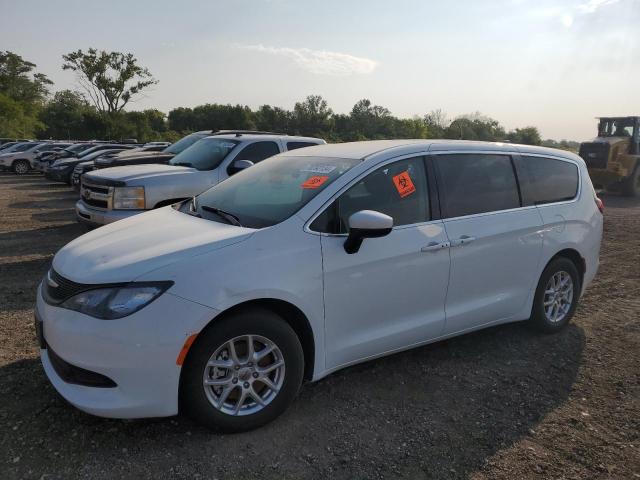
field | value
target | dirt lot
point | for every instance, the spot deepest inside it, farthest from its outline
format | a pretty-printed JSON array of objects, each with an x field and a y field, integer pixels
[{"x": 503, "y": 403}]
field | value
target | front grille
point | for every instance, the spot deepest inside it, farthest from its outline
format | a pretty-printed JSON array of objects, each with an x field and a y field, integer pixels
[
  {"x": 97, "y": 196},
  {"x": 57, "y": 289},
  {"x": 595, "y": 154},
  {"x": 76, "y": 375}
]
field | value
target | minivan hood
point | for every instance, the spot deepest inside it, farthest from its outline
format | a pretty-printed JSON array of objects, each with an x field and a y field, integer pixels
[
  {"x": 123, "y": 251},
  {"x": 132, "y": 173}
]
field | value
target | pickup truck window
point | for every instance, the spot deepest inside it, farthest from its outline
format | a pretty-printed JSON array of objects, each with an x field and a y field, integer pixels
[
  {"x": 258, "y": 151},
  {"x": 205, "y": 154}
]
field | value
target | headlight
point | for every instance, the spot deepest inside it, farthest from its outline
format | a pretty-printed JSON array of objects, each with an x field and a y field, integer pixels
[
  {"x": 116, "y": 302},
  {"x": 128, "y": 198}
]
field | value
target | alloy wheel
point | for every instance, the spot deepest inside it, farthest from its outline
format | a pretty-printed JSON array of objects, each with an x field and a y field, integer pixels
[
  {"x": 244, "y": 375},
  {"x": 21, "y": 168},
  {"x": 558, "y": 297}
]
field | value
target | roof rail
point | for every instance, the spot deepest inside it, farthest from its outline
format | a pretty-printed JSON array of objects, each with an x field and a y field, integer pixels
[{"x": 237, "y": 133}]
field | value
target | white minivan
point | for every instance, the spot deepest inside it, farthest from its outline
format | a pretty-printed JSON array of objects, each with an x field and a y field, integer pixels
[{"x": 322, "y": 257}]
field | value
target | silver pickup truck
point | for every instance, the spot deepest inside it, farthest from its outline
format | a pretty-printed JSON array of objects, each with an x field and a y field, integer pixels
[{"x": 115, "y": 193}]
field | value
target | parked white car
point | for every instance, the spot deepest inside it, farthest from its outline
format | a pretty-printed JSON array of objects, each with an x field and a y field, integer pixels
[
  {"x": 20, "y": 157},
  {"x": 120, "y": 192},
  {"x": 312, "y": 261}
]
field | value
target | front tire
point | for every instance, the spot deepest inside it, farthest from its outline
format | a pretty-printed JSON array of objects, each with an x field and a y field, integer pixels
[
  {"x": 556, "y": 296},
  {"x": 242, "y": 372},
  {"x": 21, "y": 167}
]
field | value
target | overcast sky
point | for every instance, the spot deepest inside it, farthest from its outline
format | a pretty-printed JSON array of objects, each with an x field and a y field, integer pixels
[{"x": 552, "y": 64}]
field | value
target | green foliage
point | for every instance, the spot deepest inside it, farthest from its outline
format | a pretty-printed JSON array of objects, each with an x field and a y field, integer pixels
[
  {"x": 526, "y": 135},
  {"x": 15, "y": 122},
  {"x": 312, "y": 117},
  {"x": 111, "y": 79},
  {"x": 212, "y": 117},
  {"x": 65, "y": 114},
  {"x": 22, "y": 93},
  {"x": 562, "y": 144}
]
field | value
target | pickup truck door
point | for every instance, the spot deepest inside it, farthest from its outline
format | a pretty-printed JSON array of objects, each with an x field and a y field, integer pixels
[{"x": 254, "y": 152}]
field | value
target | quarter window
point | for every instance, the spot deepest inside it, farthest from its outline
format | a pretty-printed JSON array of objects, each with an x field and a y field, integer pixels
[
  {"x": 258, "y": 151},
  {"x": 477, "y": 183},
  {"x": 548, "y": 180},
  {"x": 398, "y": 190}
]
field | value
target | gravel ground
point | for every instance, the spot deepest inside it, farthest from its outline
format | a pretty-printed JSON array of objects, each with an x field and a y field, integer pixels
[{"x": 502, "y": 403}]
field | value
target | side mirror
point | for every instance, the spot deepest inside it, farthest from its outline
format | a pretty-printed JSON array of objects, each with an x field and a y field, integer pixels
[
  {"x": 239, "y": 165},
  {"x": 366, "y": 224}
]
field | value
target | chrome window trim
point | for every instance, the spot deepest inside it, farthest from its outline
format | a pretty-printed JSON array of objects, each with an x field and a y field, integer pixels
[
  {"x": 512, "y": 154},
  {"x": 562, "y": 159}
]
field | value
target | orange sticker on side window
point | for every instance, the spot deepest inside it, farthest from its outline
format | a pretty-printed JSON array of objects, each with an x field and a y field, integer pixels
[
  {"x": 315, "y": 181},
  {"x": 403, "y": 184}
]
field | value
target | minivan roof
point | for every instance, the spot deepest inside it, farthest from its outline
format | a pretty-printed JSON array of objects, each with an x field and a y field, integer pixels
[{"x": 367, "y": 149}]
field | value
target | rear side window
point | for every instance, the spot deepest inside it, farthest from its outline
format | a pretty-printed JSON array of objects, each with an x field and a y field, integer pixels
[
  {"x": 258, "y": 151},
  {"x": 294, "y": 145},
  {"x": 477, "y": 183},
  {"x": 547, "y": 180},
  {"x": 398, "y": 189}
]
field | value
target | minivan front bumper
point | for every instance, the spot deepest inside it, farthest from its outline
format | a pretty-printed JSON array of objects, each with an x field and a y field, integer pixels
[
  {"x": 95, "y": 217},
  {"x": 137, "y": 353}
]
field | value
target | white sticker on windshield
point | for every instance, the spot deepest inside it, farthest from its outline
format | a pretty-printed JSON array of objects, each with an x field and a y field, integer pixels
[
  {"x": 228, "y": 145},
  {"x": 319, "y": 169}
]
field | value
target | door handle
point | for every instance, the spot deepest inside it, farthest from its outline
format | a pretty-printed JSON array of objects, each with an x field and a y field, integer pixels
[
  {"x": 463, "y": 240},
  {"x": 435, "y": 246}
]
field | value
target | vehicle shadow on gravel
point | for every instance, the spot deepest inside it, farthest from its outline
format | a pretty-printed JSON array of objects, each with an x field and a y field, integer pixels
[
  {"x": 63, "y": 215},
  {"x": 434, "y": 412}
]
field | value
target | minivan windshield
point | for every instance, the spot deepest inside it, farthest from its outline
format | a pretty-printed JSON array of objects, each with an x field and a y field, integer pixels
[
  {"x": 184, "y": 143},
  {"x": 206, "y": 154},
  {"x": 269, "y": 192}
]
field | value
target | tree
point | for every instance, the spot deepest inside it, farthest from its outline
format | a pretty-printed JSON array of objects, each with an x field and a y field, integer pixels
[
  {"x": 65, "y": 115},
  {"x": 475, "y": 126},
  {"x": 22, "y": 93},
  {"x": 370, "y": 121},
  {"x": 111, "y": 79},
  {"x": 312, "y": 116},
  {"x": 437, "y": 123},
  {"x": 526, "y": 135}
]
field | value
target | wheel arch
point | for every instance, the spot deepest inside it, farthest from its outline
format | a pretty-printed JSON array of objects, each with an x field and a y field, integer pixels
[
  {"x": 573, "y": 255},
  {"x": 16, "y": 160},
  {"x": 290, "y": 313}
]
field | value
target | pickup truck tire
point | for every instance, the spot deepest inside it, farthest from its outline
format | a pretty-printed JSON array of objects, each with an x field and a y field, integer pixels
[
  {"x": 21, "y": 167},
  {"x": 631, "y": 186}
]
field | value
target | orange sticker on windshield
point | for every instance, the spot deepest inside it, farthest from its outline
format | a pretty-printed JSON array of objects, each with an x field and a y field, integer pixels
[
  {"x": 403, "y": 184},
  {"x": 315, "y": 181}
]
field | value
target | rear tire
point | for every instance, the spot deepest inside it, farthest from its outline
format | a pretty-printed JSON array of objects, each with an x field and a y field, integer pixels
[
  {"x": 21, "y": 167},
  {"x": 236, "y": 373},
  {"x": 556, "y": 296},
  {"x": 631, "y": 186}
]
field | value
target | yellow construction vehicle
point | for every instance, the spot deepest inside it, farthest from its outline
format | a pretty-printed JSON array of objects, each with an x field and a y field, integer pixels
[{"x": 613, "y": 157}]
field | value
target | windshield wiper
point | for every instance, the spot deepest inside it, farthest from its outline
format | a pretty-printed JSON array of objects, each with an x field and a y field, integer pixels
[
  {"x": 193, "y": 209},
  {"x": 229, "y": 217},
  {"x": 182, "y": 164}
]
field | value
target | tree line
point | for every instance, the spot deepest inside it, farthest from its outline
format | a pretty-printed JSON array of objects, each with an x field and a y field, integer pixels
[{"x": 110, "y": 80}]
